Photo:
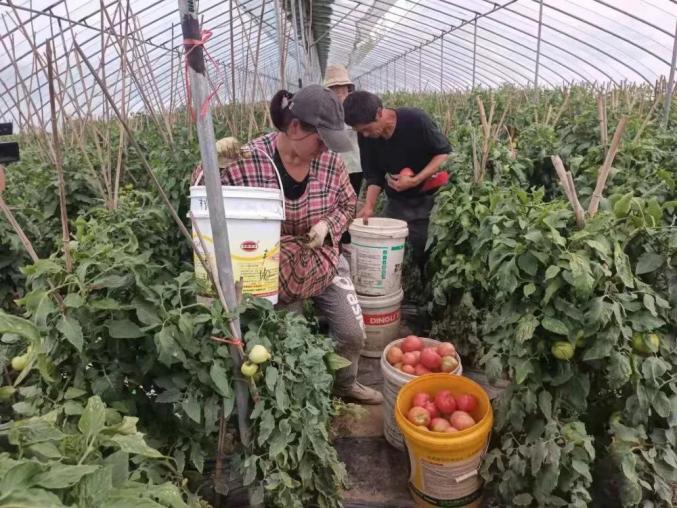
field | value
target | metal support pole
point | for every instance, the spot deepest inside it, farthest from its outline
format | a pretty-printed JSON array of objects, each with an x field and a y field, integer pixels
[
  {"x": 671, "y": 82},
  {"x": 296, "y": 43},
  {"x": 306, "y": 71},
  {"x": 420, "y": 65},
  {"x": 405, "y": 72},
  {"x": 474, "y": 54},
  {"x": 442, "y": 63},
  {"x": 217, "y": 217},
  {"x": 279, "y": 22},
  {"x": 538, "y": 43}
]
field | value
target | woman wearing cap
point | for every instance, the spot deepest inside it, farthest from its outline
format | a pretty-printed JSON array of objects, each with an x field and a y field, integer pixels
[{"x": 320, "y": 203}]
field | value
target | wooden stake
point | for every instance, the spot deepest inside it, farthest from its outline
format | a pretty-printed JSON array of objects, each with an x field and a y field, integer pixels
[
  {"x": 65, "y": 233},
  {"x": 606, "y": 167}
]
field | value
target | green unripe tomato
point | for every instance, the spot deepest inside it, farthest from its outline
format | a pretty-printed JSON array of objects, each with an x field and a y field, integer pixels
[
  {"x": 259, "y": 354},
  {"x": 19, "y": 362},
  {"x": 248, "y": 369},
  {"x": 562, "y": 350},
  {"x": 646, "y": 344}
]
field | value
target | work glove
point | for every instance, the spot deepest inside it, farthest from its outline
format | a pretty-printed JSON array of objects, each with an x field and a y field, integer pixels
[{"x": 317, "y": 235}]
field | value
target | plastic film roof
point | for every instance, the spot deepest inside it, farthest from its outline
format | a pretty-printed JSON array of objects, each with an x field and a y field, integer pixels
[{"x": 258, "y": 46}]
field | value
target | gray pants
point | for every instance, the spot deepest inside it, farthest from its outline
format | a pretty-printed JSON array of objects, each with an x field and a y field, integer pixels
[{"x": 339, "y": 304}]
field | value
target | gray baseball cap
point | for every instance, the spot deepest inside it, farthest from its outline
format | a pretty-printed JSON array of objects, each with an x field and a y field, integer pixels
[{"x": 321, "y": 108}]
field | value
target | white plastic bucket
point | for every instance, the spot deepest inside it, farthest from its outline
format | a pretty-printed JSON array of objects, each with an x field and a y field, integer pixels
[
  {"x": 381, "y": 316},
  {"x": 253, "y": 217},
  {"x": 377, "y": 255},
  {"x": 393, "y": 380}
]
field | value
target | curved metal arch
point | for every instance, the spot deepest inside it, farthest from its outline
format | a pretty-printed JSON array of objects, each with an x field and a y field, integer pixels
[
  {"x": 612, "y": 57},
  {"x": 637, "y": 18},
  {"x": 549, "y": 57},
  {"x": 574, "y": 55},
  {"x": 602, "y": 29},
  {"x": 497, "y": 62}
]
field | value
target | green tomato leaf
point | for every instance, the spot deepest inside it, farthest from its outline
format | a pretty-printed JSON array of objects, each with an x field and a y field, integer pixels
[
  {"x": 136, "y": 445},
  {"x": 71, "y": 329},
  {"x": 62, "y": 476},
  {"x": 93, "y": 418},
  {"x": 124, "y": 329},
  {"x": 555, "y": 326},
  {"x": 18, "y": 326},
  {"x": 552, "y": 271},
  {"x": 220, "y": 377},
  {"x": 622, "y": 263},
  {"x": 191, "y": 406},
  {"x": 649, "y": 262}
]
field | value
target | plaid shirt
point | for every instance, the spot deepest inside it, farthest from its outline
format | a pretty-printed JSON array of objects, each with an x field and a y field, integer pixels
[{"x": 329, "y": 196}]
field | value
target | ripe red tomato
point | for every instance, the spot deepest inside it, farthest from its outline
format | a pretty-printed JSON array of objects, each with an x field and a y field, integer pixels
[
  {"x": 446, "y": 349},
  {"x": 406, "y": 172},
  {"x": 417, "y": 355},
  {"x": 394, "y": 355},
  {"x": 412, "y": 343},
  {"x": 432, "y": 409},
  {"x": 461, "y": 420},
  {"x": 430, "y": 359},
  {"x": 420, "y": 399},
  {"x": 420, "y": 370},
  {"x": 466, "y": 402},
  {"x": 445, "y": 402},
  {"x": 409, "y": 359},
  {"x": 408, "y": 369},
  {"x": 419, "y": 416},
  {"x": 439, "y": 425}
]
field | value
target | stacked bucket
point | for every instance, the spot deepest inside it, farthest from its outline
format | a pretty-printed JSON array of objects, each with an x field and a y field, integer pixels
[{"x": 376, "y": 258}]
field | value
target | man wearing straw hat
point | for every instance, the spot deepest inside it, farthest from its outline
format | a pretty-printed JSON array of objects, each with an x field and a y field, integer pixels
[{"x": 336, "y": 79}]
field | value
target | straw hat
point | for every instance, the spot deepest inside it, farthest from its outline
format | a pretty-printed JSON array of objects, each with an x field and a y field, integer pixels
[{"x": 337, "y": 75}]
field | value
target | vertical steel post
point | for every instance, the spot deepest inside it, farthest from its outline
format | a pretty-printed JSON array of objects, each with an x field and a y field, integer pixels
[
  {"x": 405, "y": 72},
  {"x": 296, "y": 43},
  {"x": 205, "y": 128},
  {"x": 420, "y": 64},
  {"x": 474, "y": 54},
  {"x": 538, "y": 43},
  {"x": 671, "y": 82},
  {"x": 442, "y": 63}
]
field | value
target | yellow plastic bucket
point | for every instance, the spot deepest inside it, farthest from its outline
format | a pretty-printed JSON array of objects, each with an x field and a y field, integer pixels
[{"x": 445, "y": 467}]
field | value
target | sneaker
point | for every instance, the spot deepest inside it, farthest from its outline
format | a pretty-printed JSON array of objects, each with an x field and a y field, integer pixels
[{"x": 361, "y": 394}]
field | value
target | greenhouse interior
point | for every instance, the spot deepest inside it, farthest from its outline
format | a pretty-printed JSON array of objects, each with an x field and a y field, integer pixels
[{"x": 441, "y": 270}]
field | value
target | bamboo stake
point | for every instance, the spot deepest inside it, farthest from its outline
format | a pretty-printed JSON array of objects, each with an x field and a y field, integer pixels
[
  {"x": 603, "y": 129},
  {"x": 606, "y": 167},
  {"x": 567, "y": 181},
  {"x": 58, "y": 160}
]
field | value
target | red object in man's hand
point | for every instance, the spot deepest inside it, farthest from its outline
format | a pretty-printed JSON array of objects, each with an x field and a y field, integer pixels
[{"x": 436, "y": 181}]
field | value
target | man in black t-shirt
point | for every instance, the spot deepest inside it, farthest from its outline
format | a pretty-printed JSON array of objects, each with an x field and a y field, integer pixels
[{"x": 391, "y": 140}]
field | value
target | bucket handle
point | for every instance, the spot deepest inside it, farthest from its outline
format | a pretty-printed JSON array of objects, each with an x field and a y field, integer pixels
[{"x": 249, "y": 148}]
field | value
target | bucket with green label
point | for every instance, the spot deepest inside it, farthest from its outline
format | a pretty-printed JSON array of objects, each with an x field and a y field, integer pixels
[{"x": 377, "y": 255}]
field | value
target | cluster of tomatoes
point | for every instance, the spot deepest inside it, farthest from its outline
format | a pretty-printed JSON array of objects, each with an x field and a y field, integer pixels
[
  {"x": 412, "y": 357},
  {"x": 444, "y": 412}
]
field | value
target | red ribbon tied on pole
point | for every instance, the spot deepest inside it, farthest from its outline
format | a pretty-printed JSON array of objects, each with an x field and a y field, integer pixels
[{"x": 205, "y": 35}]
